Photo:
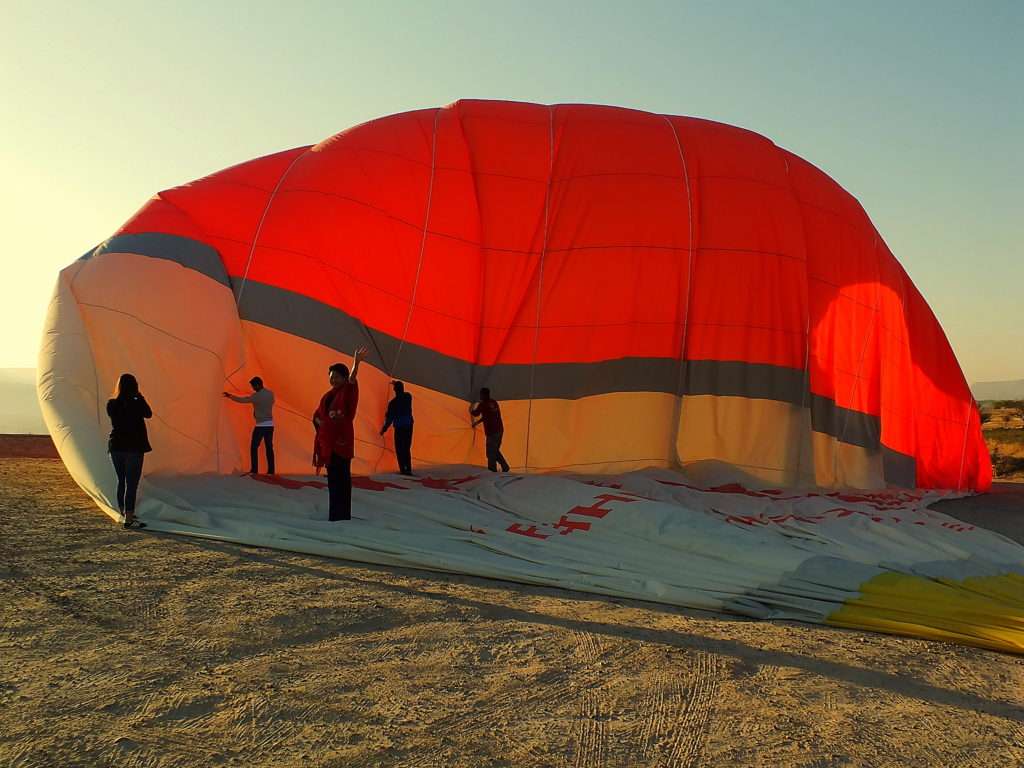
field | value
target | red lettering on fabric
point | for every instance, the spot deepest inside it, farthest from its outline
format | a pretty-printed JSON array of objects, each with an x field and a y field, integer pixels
[
  {"x": 744, "y": 519},
  {"x": 787, "y": 517},
  {"x": 595, "y": 511},
  {"x": 284, "y": 482},
  {"x": 614, "y": 497},
  {"x": 570, "y": 525},
  {"x": 531, "y": 531},
  {"x": 369, "y": 484},
  {"x": 958, "y": 527},
  {"x": 444, "y": 484}
]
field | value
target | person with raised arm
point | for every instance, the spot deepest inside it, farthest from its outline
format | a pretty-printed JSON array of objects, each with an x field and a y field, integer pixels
[{"x": 334, "y": 445}]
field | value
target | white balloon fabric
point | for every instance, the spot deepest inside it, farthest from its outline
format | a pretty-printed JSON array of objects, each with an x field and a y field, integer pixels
[{"x": 881, "y": 561}]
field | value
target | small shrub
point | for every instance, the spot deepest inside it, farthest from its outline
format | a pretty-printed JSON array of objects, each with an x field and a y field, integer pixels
[
  {"x": 1006, "y": 466},
  {"x": 1015, "y": 405}
]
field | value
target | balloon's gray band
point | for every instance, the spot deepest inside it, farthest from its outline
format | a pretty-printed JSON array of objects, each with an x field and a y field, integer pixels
[
  {"x": 157, "y": 245},
  {"x": 307, "y": 318}
]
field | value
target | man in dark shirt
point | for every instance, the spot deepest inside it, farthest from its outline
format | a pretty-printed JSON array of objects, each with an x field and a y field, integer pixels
[
  {"x": 489, "y": 412},
  {"x": 399, "y": 415}
]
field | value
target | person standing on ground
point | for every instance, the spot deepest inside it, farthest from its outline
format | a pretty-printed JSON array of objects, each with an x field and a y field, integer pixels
[
  {"x": 334, "y": 445},
  {"x": 399, "y": 415},
  {"x": 489, "y": 412},
  {"x": 129, "y": 443},
  {"x": 262, "y": 400}
]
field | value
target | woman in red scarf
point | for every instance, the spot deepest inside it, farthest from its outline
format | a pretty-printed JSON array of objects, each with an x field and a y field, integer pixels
[{"x": 334, "y": 445}]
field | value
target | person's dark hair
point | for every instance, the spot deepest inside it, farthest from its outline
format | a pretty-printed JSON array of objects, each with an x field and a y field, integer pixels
[
  {"x": 399, "y": 386},
  {"x": 339, "y": 368},
  {"x": 485, "y": 393},
  {"x": 256, "y": 381},
  {"x": 127, "y": 386}
]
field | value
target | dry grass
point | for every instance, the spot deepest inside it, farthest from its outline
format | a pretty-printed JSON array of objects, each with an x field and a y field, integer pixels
[
  {"x": 133, "y": 649},
  {"x": 1004, "y": 436}
]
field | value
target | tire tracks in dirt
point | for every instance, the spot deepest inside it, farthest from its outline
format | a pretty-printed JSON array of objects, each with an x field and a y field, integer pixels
[
  {"x": 555, "y": 686},
  {"x": 678, "y": 713},
  {"x": 591, "y": 748}
]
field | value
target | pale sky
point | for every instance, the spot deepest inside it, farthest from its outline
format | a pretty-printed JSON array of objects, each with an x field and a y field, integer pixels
[{"x": 917, "y": 108}]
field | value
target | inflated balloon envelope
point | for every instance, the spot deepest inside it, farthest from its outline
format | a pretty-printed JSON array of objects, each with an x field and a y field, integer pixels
[{"x": 662, "y": 305}]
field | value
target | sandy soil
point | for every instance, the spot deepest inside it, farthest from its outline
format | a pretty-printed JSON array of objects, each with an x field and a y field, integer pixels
[{"x": 135, "y": 649}]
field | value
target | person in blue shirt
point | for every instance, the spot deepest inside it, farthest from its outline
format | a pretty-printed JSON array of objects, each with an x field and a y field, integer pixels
[{"x": 399, "y": 415}]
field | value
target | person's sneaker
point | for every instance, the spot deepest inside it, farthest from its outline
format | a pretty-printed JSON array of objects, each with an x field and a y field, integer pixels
[{"x": 131, "y": 521}]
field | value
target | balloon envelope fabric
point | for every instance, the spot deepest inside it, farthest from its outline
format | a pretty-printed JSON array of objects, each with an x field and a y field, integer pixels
[
  {"x": 881, "y": 561},
  {"x": 639, "y": 291}
]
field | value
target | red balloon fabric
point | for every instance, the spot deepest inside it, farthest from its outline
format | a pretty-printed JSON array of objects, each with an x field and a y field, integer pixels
[{"x": 565, "y": 252}]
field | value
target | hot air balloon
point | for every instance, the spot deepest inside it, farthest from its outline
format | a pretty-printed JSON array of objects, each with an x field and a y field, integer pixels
[{"x": 663, "y": 305}]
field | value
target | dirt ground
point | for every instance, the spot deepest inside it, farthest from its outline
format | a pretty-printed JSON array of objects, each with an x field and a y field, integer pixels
[{"x": 136, "y": 649}]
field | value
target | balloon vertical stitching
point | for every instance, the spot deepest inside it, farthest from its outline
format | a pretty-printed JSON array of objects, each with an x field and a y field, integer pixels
[
  {"x": 805, "y": 394},
  {"x": 673, "y": 447},
  {"x": 856, "y": 379},
  {"x": 963, "y": 451},
  {"x": 92, "y": 358},
  {"x": 540, "y": 282},
  {"x": 248, "y": 263},
  {"x": 259, "y": 229},
  {"x": 423, "y": 243}
]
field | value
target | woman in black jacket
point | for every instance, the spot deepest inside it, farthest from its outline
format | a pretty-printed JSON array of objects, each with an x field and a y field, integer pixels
[{"x": 128, "y": 411}]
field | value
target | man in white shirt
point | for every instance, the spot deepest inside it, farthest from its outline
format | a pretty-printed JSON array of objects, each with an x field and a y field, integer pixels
[{"x": 262, "y": 400}]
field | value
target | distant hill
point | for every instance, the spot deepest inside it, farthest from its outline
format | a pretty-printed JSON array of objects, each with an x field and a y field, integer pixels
[
  {"x": 999, "y": 390},
  {"x": 19, "y": 409}
]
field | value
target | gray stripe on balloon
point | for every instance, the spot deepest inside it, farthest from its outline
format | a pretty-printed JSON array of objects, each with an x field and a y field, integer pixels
[
  {"x": 307, "y": 318},
  {"x": 310, "y": 319},
  {"x": 157, "y": 245}
]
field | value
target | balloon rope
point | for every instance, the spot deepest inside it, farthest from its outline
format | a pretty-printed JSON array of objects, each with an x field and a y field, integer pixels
[
  {"x": 856, "y": 379},
  {"x": 259, "y": 226},
  {"x": 419, "y": 267},
  {"x": 806, "y": 391},
  {"x": 673, "y": 448},
  {"x": 540, "y": 282},
  {"x": 252, "y": 251},
  {"x": 245, "y": 276},
  {"x": 423, "y": 243},
  {"x": 963, "y": 451}
]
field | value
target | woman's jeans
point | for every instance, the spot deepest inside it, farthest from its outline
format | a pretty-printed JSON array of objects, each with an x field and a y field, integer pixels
[{"x": 128, "y": 466}]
